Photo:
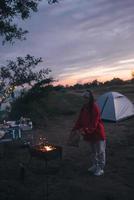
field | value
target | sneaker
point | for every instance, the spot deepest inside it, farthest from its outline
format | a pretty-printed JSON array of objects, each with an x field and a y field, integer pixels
[
  {"x": 92, "y": 169},
  {"x": 99, "y": 172}
]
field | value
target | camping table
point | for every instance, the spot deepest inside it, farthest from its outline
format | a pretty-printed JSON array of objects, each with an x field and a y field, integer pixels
[{"x": 15, "y": 131}]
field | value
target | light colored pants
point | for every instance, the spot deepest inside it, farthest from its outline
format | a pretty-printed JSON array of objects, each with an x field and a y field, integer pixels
[{"x": 98, "y": 155}]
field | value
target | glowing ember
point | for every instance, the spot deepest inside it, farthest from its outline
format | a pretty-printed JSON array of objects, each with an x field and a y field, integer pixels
[{"x": 46, "y": 148}]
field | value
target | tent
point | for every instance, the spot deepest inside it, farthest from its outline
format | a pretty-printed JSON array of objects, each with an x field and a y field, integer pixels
[{"x": 115, "y": 106}]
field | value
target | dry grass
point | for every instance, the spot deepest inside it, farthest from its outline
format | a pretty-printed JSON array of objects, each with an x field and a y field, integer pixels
[{"x": 69, "y": 179}]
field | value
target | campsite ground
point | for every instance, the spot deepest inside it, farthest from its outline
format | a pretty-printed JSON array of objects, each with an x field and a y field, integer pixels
[{"x": 69, "y": 179}]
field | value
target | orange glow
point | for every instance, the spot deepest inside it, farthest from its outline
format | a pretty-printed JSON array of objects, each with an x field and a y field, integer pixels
[
  {"x": 46, "y": 148},
  {"x": 89, "y": 76}
]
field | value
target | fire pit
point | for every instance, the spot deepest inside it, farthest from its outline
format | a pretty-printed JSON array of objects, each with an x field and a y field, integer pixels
[{"x": 46, "y": 151}]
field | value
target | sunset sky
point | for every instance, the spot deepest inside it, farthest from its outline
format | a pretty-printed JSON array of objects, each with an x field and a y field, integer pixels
[{"x": 80, "y": 40}]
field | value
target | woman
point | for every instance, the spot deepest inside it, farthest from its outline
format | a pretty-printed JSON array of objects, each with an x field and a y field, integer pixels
[{"x": 92, "y": 129}]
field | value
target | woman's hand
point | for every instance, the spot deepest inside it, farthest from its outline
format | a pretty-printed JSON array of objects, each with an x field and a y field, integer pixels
[{"x": 82, "y": 132}]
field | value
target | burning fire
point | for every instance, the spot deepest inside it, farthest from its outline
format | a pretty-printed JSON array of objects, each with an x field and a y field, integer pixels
[{"x": 45, "y": 148}]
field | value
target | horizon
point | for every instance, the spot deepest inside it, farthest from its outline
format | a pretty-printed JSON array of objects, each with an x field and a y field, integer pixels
[
  {"x": 80, "y": 41},
  {"x": 73, "y": 82}
]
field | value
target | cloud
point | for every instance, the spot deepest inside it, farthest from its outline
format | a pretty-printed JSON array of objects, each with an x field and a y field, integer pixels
[
  {"x": 76, "y": 35},
  {"x": 126, "y": 61}
]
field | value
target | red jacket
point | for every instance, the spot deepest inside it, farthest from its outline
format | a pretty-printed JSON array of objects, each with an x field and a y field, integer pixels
[{"x": 91, "y": 124}]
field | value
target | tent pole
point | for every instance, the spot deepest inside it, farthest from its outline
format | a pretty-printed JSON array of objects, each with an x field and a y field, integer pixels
[{"x": 104, "y": 105}]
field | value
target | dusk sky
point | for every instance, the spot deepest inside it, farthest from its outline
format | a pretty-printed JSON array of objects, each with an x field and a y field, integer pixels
[{"x": 80, "y": 40}]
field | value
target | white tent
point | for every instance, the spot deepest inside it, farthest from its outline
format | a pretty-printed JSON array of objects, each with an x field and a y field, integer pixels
[{"x": 115, "y": 106}]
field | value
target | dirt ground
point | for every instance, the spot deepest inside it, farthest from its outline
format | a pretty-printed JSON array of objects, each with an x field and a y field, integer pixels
[{"x": 69, "y": 179}]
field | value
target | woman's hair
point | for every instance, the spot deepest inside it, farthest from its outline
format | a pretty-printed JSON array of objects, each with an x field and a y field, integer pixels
[{"x": 91, "y": 100}]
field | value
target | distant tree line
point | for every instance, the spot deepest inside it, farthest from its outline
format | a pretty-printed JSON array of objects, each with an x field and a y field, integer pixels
[{"x": 96, "y": 83}]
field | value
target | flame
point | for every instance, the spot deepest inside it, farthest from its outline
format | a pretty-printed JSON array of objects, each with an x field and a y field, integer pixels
[
  {"x": 43, "y": 145},
  {"x": 46, "y": 148}
]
